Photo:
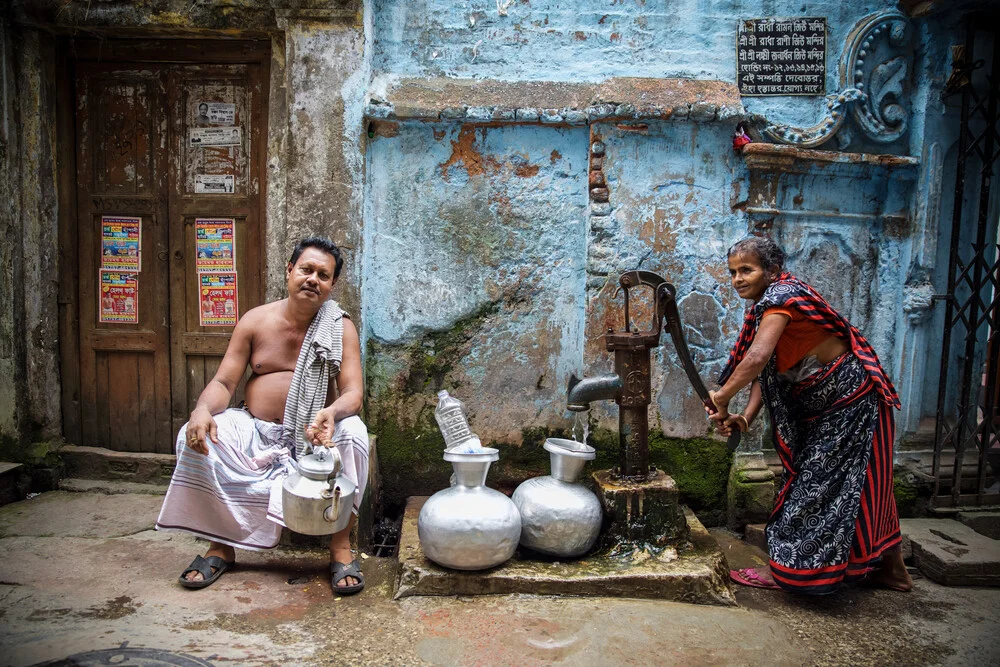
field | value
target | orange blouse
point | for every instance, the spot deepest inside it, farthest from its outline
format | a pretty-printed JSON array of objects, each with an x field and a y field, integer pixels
[{"x": 800, "y": 335}]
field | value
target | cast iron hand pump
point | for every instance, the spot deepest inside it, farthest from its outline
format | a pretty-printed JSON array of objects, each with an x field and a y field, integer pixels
[{"x": 630, "y": 385}]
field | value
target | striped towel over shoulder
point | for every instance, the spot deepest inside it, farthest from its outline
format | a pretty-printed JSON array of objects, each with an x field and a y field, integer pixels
[{"x": 319, "y": 360}]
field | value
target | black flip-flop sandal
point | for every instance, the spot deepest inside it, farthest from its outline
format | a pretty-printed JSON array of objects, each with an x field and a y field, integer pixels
[
  {"x": 205, "y": 567},
  {"x": 340, "y": 571}
]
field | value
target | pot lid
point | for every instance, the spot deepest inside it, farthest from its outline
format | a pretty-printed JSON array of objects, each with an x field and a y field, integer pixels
[{"x": 320, "y": 464}]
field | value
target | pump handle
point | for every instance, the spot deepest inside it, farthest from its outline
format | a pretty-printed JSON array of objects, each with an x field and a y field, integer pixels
[{"x": 667, "y": 305}]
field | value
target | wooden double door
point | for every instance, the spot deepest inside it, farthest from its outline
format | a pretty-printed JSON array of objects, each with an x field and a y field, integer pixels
[{"x": 141, "y": 152}]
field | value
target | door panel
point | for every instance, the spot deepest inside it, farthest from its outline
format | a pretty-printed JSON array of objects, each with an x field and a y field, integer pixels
[
  {"x": 139, "y": 382},
  {"x": 120, "y": 121},
  {"x": 196, "y": 350}
]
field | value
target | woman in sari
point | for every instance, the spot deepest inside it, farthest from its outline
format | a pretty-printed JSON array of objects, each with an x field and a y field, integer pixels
[{"x": 831, "y": 406}]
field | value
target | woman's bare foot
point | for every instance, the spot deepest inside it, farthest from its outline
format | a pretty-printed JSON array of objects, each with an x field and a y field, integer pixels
[
  {"x": 892, "y": 572},
  {"x": 223, "y": 551}
]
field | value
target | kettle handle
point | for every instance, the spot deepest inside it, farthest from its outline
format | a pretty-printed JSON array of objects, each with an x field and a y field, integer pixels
[{"x": 338, "y": 462}]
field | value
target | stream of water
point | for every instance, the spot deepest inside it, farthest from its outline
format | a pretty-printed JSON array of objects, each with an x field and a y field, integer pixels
[{"x": 581, "y": 427}]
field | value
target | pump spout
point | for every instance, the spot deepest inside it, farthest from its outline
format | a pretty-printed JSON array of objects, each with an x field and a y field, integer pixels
[{"x": 580, "y": 393}]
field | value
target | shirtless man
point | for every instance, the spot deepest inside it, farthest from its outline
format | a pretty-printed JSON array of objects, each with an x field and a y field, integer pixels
[{"x": 230, "y": 462}]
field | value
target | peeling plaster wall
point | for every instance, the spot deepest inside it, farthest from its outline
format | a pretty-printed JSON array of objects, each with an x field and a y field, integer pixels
[
  {"x": 591, "y": 40},
  {"x": 677, "y": 194},
  {"x": 29, "y": 333},
  {"x": 473, "y": 254},
  {"x": 12, "y": 339},
  {"x": 482, "y": 237},
  {"x": 672, "y": 191},
  {"x": 317, "y": 160}
]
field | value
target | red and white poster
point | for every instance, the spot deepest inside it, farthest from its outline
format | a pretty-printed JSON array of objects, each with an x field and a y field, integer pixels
[
  {"x": 218, "y": 305},
  {"x": 119, "y": 297}
]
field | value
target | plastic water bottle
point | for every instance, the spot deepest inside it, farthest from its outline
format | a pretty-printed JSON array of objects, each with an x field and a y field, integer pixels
[{"x": 450, "y": 416}]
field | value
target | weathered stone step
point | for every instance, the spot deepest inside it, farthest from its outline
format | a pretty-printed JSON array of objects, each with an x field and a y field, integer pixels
[
  {"x": 13, "y": 485},
  {"x": 99, "y": 463},
  {"x": 984, "y": 523},
  {"x": 699, "y": 575},
  {"x": 952, "y": 553},
  {"x": 110, "y": 487}
]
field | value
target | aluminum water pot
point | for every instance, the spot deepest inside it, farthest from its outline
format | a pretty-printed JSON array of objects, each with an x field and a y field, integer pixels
[
  {"x": 559, "y": 516},
  {"x": 469, "y": 526},
  {"x": 316, "y": 498}
]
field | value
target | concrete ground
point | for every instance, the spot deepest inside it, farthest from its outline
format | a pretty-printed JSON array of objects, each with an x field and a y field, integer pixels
[{"x": 84, "y": 571}]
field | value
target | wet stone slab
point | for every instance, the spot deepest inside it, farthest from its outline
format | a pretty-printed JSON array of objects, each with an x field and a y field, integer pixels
[
  {"x": 952, "y": 553},
  {"x": 697, "y": 573},
  {"x": 80, "y": 515}
]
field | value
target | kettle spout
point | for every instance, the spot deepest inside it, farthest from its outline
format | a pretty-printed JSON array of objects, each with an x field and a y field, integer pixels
[
  {"x": 332, "y": 513},
  {"x": 580, "y": 393}
]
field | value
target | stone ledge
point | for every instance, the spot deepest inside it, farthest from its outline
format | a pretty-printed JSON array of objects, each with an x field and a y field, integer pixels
[
  {"x": 105, "y": 464},
  {"x": 984, "y": 523},
  {"x": 953, "y": 554},
  {"x": 110, "y": 487},
  {"x": 794, "y": 160},
  {"x": 552, "y": 102},
  {"x": 697, "y": 575}
]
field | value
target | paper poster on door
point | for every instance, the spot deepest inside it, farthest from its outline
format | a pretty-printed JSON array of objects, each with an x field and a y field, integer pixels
[
  {"x": 219, "y": 303},
  {"x": 121, "y": 243},
  {"x": 215, "y": 240},
  {"x": 216, "y": 113},
  {"x": 119, "y": 297},
  {"x": 214, "y": 184},
  {"x": 214, "y": 136}
]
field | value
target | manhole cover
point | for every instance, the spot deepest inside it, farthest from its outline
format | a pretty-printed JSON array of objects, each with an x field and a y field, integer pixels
[{"x": 128, "y": 657}]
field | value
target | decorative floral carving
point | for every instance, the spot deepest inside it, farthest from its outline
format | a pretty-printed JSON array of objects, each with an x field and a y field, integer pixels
[
  {"x": 882, "y": 116},
  {"x": 837, "y": 108},
  {"x": 872, "y": 95}
]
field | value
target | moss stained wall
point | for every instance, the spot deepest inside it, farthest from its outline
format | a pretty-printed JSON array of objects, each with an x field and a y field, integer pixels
[
  {"x": 12, "y": 338},
  {"x": 29, "y": 339}
]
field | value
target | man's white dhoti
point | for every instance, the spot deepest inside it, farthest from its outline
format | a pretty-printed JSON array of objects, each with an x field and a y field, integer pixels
[{"x": 232, "y": 495}]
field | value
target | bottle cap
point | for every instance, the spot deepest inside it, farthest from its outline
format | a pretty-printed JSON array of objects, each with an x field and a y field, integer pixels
[{"x": 443, "y": 394}]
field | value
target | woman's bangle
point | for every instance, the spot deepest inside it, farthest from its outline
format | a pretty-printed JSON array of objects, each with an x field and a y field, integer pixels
[{"x": 746, "y": 422}]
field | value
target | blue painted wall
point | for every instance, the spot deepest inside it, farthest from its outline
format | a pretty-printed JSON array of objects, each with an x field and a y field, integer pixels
[
  {"x": 487, "y": 229},
  {"x": 482, "y": 228},
  {"x": 592, "y": 40}
]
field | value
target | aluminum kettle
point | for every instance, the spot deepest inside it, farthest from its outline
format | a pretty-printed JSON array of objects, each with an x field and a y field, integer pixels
[{"x": 316, "y": 498}]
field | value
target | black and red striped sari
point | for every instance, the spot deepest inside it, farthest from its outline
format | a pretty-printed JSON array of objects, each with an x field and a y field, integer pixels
[{"x": 835, "y": 514}]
